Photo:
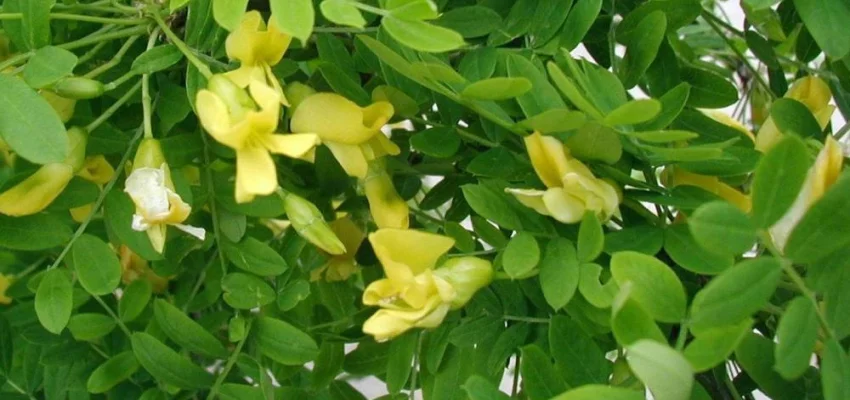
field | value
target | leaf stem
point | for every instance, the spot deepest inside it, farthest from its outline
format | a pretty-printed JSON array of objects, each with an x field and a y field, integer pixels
[
  {"x": 181, "y": 45},
  {"x": 113, "y": 108},
  {"x": 115, "y": 60},
  {"x": 212, "y": 203},
  {"x": 146, "y": 92},
  {"x": 113, "y": 315},
  {"x": 532, "y": 320},
  {"x": 414, "y": 373},
  {"x": 17, "y": 387},
  {"x": 230, "y": 362}
]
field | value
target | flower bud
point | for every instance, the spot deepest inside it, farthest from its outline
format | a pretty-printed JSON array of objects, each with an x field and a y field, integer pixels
[
  {"x": 77, "y": 140},
  {"x": 466, "y": 275},
  {"x": 236, "y": 98},
  {"x": 78, "y": 88},
  {"x": 37, "y": 191},
  {"x": 149, "y": 155},
  {"x": 388, "y": 208},
  {"x": 5, "y": 282},
  {"x": 310, "y": 224}
]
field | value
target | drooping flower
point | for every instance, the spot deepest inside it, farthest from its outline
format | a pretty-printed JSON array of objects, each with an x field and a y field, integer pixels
[
  {"x": 414, "y": 294},
  {"x": 820, "y": 177},
  {"x": 352, "y": 133},
  {"x": 572, "y": 187},
  {"x": 258, "y": 48},
  {"x": 135, "y": 267},
  {"x": 157, "y": 204},
  {"x": 229, "y": 115},
  {"x": 95, "y": 169},
  {"x": 388, "y": 209},
  {"x": 676, "y": 176},
  {"x": 814, "y": 93},
  {"x": 341, "y": 266},
  {"x": 5, "y": 282}
]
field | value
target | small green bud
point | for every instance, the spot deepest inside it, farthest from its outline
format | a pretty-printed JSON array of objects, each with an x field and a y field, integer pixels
[
  {"x": 310, "y": 224},
  {"x": 78, "y": 88},
  {"x": 467, "y": 275},
  {"x": 149, "y": 154},
  {"x": 236, "y": 98}
]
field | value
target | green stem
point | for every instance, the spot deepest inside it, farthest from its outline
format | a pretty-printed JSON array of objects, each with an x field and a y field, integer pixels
[
  {"x": 113, "y": 315},
  {"x": 146, "y": 93},
  {"x": 230, "y": 362},
  {"x": 81, "y": 18},
  {"x": 683, "y": 336},
  {"x": 320, "y": 29},
  {"x": 414, "y": 373},
  {"x": 532, "y": 320},
  {"x": 760, "y": 79},
  {"x": 181, "y": 45},
  {"x": 17, "y": 387},
  {"x": 371, "y": 9},
  {"x": 97, "y": 203},
  {"x": 90, "y": 40},
  {"x": 727, "y": 382},
  {"x": 708, "y": 15},
  {"x": 113, "y": 108},
  {"x": 91, "y": 53},
  {"x": 515, "y": 385},
  {"x": 212, "y": 204},
  {"x": 115, "y": 60}
]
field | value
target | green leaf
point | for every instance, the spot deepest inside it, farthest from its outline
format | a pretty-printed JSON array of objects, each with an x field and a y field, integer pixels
[
  {"x": 680, "y": 245},
  {"x": 646, "y": 239},
  {"x": 554, "y": 120},
  {"x": 29, "y": 125},
  {"x": 548, "y": 20},
  {"x": 778, "y": 179},
  {"x": 579, "y": 359},
  {"x": 797, "y": 335},
  {"x": 90, "y": 326},
  {"x": 665, "y": 371},
  {"x": 156, "y": 59},
  {"x": 634, "y": 112},
  {"x": 591, "y": 239},
  {"x": 228, "y": 13},
  {"x": 542, "y": 96},
  {"x": 823, "y": 228},
  {"x": 283, "y": 342},
  {"x": 328, "y": 363},
  {"x": 735, "y": 294},
  {"x": 112, "y": 372},
  {"x": 436, "y": 142},
  {"x": 186, "y": 332},
  {"x": 794, "y": 118},
  {"x": 422, "y": 36},
  {"x": 559, "y": 272},
  {"x": 54, "y": 300},
  {"x": 590, "y": 287},
  {"x": 134, "y": 299},
  {"x": 48, "y": 65},
  {"x": 595, "y": 141},
  {"x": 642, "y": 47},
  {"x": 712, "y": 347},
  {"x": 826, "y": 21},
  {"x": 497, "y": 162},
  {"x": 118, "y": 212},
  {"x": 491, "y": 205},
  {"x": 497, "y": 88},
  {"x": 708, "y": 89},
  {"x": 256, "y": 257},
  {"x": 755, "y": 356},
  {"x": 540, "y": 379},
  {"x": 672, "y": 104},
  {"x": 579, "y": 21},
  {"x": 166, "y": 365},
  {"x": 400, "y": 361},
  {"x": 35, "y": 21},
  {"x": 33, "y": 232},
  {"x": 568, "y": 87},
  {"x": 412, "y": 10},
  {"x": 470, "y": 21},
  {"x": 245, "y": 291},
  {"x": 596, "y": 392},
  {"x": 663, "y": 136},
  {"x": 630, "y": 322},
  {"x": 342, "y": 12},
  {"x": 722, "y": 228},
  {"x": 654, "y": 285},
  {"x": 97, "y": 266},
  {"x": 835, "y": 371},
  {"x": 294, "y": 17},
  {"x": 476, "y": 331},
  {"x": 521, "y": 255},
  {"x": 478, "y": 388}
]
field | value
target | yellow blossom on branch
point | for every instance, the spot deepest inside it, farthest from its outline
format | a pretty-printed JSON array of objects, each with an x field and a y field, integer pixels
[
  {"x": 814, "y": 93},
  {"x": 341, "y": 266},
  {"x": 258, "y": 48}
]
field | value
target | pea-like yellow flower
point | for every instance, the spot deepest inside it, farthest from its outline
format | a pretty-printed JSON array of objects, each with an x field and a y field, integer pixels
[
  {"x": 95, "y": 169},
  {"x": 64, "y": 107},
  {"x": 814, "y": 93},
  {"x": 258, "y": 48},
  {"x": 135, "y": 267},
  {"x": 5, "y": 282},
  {"x": 572, "y": 187},
  {"x": 352, "y": 133},
  {"x": 388, "y": 209},
  {"x": 676, "y": 176},
  {"x": 150, "y": 187},
  {"x": 341, "y": 266},
  {"x": 820, "y": 177},
  {"x": 414, "y": 294},
  {"x": 37, "y": 191},
  {"x": 227, "y": 114}
]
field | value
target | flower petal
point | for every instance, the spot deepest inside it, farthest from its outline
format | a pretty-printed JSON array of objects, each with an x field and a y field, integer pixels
[
  {"x": 562, "y": 206},
  {"x": 548, "y": 157},
  {"x": 294, "y": 145},
  {"x": 37, "y": 191},
  {"x": 195, "y": 231},
  {"x": 333, "y": 117},
  {"x": 255, "y": 171},
  {"x": 350, "y": 157},
  {"x": 214, "y": 116},
  {"x": 417, "y": 250},
  {"x": 530, "y": 198}
]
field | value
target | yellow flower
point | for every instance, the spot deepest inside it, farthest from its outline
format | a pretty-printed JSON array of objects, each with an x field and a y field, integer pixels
[
  {"x": 352, "y": 133},
  {"x": 64, "y": 107},
  {"x": 388, "y": 208},
  {"x": 250, "y": 132},
  {"x": 134, "y": 267},
  {"x": 37, "y": 191},
  {"x": 5, "y": 282},
  {"x": 675, "y": 176},
  {"x": 725, "y": 119},
  {"x": 821, "y": 176},
  {"x": 814, "y": 93},
  {"x": 258, "y": 48},
  {"x": 157, "y": 204},
  {"x": 341, "y": 266},
  {"x": 95, "y": 169},
  {"x": 572, "y": 188},
  {"x": 414, "y": 294}
]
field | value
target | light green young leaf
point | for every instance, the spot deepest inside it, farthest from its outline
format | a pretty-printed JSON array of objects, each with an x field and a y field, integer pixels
[
  {"x": 713, "y": 346},
  {"x": 542, "y": 96},
  {"x": 342, "y": 12},
  {"x": 90, "y": 326},
  {"x": 228, "y": 13},
  {"x": 497, "y": 88},
  {"x": 797, "y": 335},
  {"x": 634, "y": 112},
  {"x": 630, "y": 322},
  {"x": 665, "y": 371},
  {"x": 778, "y": 179},
  {"x": 722, "y": 228},
  {"x": 835, "y": 371},
  {"x": 597, "y": 392},
  {"x": 653, "y": 284},
  {"x": 521, "y": 255},
  {"x": 591, "y": 239},
  {"x": 684, "y": 250},
  {"x": 54, "y": 300},
  {"x": 29, "y": 125},
  {"x": 156, "y": 59},
  {"x": 559, "y": 272},
  {"x": 595, "y": 141},
  {"x": 590, "y": 287},
  {"x": 48, "y": 65},
  {"x": 826, "y": 21},
  {"x": 294, "y": 17},
  {"x": 554, "y": 120},
  {"x": 412, "y": 10},
  {"x": 422, "y": 36},
  {"x": 97, "y": 266},
  {"x": 823, "y": 228}
]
